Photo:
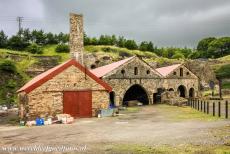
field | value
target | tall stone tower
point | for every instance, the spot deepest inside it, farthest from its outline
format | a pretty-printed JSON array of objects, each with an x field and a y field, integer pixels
[{"x": 76, "y": 41}]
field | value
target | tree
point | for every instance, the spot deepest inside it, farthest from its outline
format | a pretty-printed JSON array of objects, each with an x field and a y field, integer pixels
[
  {"x": 144, "y": 46},
  {"x": 219, "y": 47},
  {"x": 38, "y": 37},
  {"x": 204, "y": 43},
  {"x": 63, "y": 38},
  {"x": 222, "y": 73},
  {"x": 86, "y": 39},
  {"x": 121, "y": 42},
  {"x": 17, "y": 43},
  {"x": 94, "y": 41},
  {"x": 51, "y": 38},
  {"x": 131, "y": 44},
  {"x": 203, "y": 46},
  {"x": 3, "y": 39}
]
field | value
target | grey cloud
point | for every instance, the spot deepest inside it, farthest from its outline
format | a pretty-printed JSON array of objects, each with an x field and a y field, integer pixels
[{"x": 165, "y": 22}]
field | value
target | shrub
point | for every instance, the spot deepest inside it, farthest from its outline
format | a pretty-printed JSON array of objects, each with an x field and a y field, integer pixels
[
  {"x": 34, "y": 48},
  {"x": 8, "y": 66},
  {"x": 62, "y": 48},
  {"x": 124, "y": 54},
  {"x": 223, "y": 71},
  {"x": 178, "y": 56},
  {"x": 194, "y": 55}
]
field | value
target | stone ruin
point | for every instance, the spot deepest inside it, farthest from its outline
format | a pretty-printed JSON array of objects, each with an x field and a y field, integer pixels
[{"x": 173, "y": 98}]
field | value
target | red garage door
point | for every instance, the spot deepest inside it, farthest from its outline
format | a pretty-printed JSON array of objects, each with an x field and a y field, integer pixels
[{"x": 78, "y": 103}]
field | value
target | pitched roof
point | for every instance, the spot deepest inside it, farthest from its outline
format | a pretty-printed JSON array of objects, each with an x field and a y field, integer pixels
[
  {"x": 101, "y": 71},
  {"x": 164, "y": 71},
  {"x": 49, "y": 74}
]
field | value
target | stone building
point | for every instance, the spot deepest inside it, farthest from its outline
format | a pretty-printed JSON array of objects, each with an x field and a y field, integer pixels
[
  {"x": 72, "y": 88},
  {"x": 134, "y": 79},
  {"x": 67, "y": 88}
]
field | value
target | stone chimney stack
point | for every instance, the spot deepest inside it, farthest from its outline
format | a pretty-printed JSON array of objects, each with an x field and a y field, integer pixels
[{"x": 76, "y": 40}]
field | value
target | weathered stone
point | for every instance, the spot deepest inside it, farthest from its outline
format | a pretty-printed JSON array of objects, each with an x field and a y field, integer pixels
[
  {"x": 47, "y": 99},
  {"x": 76, "y": 37}
]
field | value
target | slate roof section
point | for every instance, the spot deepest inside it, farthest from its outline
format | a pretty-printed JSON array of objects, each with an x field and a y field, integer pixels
[{"x": 49, "y": 74}]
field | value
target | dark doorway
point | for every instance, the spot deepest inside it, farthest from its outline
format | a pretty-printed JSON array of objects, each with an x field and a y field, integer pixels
[
  {"x": 136, "y": 92},
  {"x": 191, "y": 92},
  {"x": 112, "y": 99},
  {"x": 157, "y": 96},
  {"x": 182, "y": 91},
  {"x": 171, "y": 89}
]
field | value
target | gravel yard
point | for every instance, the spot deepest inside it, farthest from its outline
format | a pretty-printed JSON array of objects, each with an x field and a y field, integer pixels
[{"x": 154, "y": 126}]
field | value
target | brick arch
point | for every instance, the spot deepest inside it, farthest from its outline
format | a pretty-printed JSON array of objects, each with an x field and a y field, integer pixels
[{"x": 147, "y": 93}]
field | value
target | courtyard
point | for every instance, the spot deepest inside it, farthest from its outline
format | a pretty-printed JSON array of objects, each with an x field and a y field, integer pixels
[{"x": 148, "y": 129}]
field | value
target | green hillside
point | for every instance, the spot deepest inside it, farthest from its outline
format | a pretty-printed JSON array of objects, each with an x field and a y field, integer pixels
[{"x": 22, "y": 60}]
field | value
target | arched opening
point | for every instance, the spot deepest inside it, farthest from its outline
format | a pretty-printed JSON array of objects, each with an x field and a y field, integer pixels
[
  {"x": 112, "y": 99},
  {"x": 171, "y": 89},
  {"x": 191, "y": 92},
  {"x": 136, "y": 93},
  {"x": 182, "y": 91}
]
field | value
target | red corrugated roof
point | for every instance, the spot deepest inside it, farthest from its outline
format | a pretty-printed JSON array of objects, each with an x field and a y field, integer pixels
[
  {"x": 164, "y": 71},
  {"x": 101, "y": 71},
  {"x": 42, "y": 78}
]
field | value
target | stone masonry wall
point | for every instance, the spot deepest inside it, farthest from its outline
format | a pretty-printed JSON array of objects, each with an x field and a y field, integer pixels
[
  {"x": 48, "y": 98},
  {"x": 76, "y": 40},
  {"x": 151, "y": 81}
]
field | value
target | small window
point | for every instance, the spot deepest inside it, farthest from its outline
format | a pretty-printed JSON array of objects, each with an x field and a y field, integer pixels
[
  {"x": 174, "y": 73},
  {"x": 135, "y": 71},
  {"x": 148, "y": 71},
  {"x": 188, "y": 73},
  {"x": 122, "y": 71},
  {"x": 93, "y": 66},
  {"x": 181, "y": 72}
]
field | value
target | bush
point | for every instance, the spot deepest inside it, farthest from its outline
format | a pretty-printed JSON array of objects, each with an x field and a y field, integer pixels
[
  {"x": 223, "y": 72},
  {"x": 62, "y": 48},
  {"x": 35, "y": 49},
  {"x": 194, "y": 55},
  {"x": 124, "y": 54},
  {"x": 178, "y": 56},
  {"x": 8, "y": 66},
  {"x": 17, "y": 43}
]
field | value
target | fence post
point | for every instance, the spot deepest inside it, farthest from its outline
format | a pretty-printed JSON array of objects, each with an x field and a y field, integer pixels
[
  {"x": 204, "y": 106},
  {"x": 207, "y": 107},
  {"x": 226, "y": 109},
  {"x": 219, "y": 109},
  {"x": 213, "y": 109},
  {"x": 198, "y": 105},
  {"x": 201, "y": 106}
]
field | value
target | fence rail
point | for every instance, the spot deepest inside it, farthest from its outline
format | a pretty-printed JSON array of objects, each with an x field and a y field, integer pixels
[{"x": 213, "y": 107}]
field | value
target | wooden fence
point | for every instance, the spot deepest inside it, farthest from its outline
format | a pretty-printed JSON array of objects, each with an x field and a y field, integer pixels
[{"x": 218, "y": 108}]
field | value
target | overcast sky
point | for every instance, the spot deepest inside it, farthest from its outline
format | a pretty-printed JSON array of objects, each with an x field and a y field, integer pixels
[{"x": 164, "y": 22}]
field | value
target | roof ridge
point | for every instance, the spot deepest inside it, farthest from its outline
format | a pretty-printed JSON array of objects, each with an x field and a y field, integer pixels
[{"x": 47, "y": 75}]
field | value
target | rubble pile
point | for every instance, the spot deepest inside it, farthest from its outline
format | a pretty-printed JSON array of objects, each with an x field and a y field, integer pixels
[{"x": 172, "y": 98}]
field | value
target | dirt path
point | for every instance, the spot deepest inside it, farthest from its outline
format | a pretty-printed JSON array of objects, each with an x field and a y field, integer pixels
[{"x": 152, "y": 125}]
